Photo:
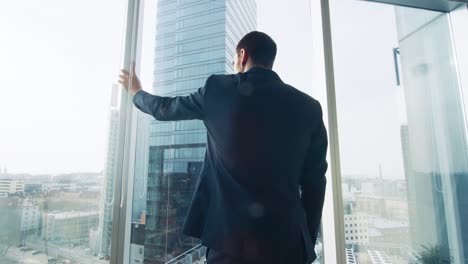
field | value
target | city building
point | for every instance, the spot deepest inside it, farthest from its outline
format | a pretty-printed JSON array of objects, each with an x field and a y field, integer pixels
[
  {"x": 94, "y": 239},
  {"x": 30, "y": 217},
  {"x": 137, "y": 243},
  {"x": 140, "y": 181},
  {"x": 392, "y": 208},
  {"x": 350, "y": 256},
  {"x": 10, "y": 220},
  {"x": 356, "y": 228},
  {"x": 378, "y": 257},
  {"x": 68, "y": 226},
  {"x": 31, "y": 188},
  {"x": 107, "y": 192},
  {"x": 388, "y": 231},
  {"x": 194, "y": 39},
  {"x": 10, "y": 186},
  {"x": 20, "y": 218},
  {"x": 59, "y": 187}
]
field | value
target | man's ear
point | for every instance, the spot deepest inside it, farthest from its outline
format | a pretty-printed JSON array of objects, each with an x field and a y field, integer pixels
[{"x": 244, "y": 56}]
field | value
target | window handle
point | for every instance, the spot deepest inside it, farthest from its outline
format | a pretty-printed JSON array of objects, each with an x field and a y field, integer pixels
[{"x": 396, "y": 55}]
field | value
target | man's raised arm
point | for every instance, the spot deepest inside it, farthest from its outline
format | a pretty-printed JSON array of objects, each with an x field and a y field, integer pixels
[
  {"x": 171, "y": 108},
  {"x": 164, "y": 108}
]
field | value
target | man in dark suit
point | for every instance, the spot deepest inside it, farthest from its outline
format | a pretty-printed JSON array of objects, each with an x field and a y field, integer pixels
[{"x": 260, "y": 193}]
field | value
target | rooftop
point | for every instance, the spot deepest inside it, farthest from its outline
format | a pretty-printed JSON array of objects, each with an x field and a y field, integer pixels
[{"x": 68, "y": 215}]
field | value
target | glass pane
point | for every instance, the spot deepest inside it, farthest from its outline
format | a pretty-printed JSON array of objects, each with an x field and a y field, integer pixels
[
  {"x": 435, "y": 141},
  {"x": 184, "y": 42},
  {"x": 58, "y": 107},
  {"x": 402, "y": 140}
]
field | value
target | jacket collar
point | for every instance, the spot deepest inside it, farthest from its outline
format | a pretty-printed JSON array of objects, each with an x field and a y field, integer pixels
[{"x": 262, "y": 70}]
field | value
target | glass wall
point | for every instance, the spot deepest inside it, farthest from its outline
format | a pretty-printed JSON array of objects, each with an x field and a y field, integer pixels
[
  {"x": 435, "y": 141},
  {"x": 59, "y": 108},
  {"x": 402, "y": 134},
  {"x": 183, "y": 43}
]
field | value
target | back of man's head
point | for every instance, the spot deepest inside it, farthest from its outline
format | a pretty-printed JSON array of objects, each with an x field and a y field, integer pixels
[{"x": 260, "y": 47}]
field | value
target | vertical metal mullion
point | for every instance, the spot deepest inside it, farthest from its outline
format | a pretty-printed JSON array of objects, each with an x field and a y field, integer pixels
[
  {"x": 458, "y": 20},
  {"x": 333, "y": 135},
  {"x": 126, "y": 211},
  {"x": 123, "y": 149},
  {"x": 453, "y": 219}
]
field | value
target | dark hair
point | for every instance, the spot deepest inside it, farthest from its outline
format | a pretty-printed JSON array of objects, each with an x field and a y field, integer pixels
[{"x": 260, "y": 47}]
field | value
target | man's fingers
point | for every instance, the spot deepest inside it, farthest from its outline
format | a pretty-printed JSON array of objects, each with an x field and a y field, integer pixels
[{"x": 124, "y": 77}]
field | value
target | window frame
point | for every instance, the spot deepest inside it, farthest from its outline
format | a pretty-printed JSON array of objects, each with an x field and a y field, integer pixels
[
  {"x": 125, "y": 161},
  {"x": 334, "y": 240},
  {"x": 336, "y": 237}
]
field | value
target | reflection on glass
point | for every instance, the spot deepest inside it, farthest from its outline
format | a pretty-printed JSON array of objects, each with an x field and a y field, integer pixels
[
  {"x": 435, "y": 139},
  {"x": 403, "y": 143}
]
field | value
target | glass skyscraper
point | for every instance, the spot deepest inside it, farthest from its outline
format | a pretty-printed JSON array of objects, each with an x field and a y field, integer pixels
[
  {"x": 194, "y": 39},
  {"x": 108, "y": 182}
]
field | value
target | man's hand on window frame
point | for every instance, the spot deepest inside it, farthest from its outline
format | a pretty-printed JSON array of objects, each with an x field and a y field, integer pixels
[{"x": 130, "y": 81}]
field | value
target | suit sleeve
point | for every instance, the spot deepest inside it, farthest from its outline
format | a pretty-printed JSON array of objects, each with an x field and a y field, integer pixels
[
  {"x": 172, "y": 108},
  {"x": 313, "y": 181}
]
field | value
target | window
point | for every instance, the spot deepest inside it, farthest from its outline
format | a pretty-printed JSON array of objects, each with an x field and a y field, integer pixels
[
  {"x": 402, "y": 133},
  {"x": 169, "y": 155},
  {"x": 60, "y": 60}
]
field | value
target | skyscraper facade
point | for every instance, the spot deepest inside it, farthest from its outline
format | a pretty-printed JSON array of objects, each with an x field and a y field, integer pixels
[
  {"x": 108, "y": 183},
  {"x": 194, "y": 39}
]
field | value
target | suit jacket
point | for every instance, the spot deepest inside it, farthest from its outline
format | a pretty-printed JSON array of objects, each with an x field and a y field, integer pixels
[{"x": 261, "y": 189}]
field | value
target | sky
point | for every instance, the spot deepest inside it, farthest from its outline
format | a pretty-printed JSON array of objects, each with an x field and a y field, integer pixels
[
  {"x": 60, "y": 58},
  {"x": 369, "y": 119}
]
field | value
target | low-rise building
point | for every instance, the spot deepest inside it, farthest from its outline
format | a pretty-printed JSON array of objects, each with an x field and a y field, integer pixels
[
  {"x": 68, "y": 226},
  {"x": 18, "y": 219},
  {"x": 388, "y": 231},
  {"x": 30, "y": 217},
  {"x": 9, "y": 186},
  {"x": 392, "y": 208},
  {"x": 356, "y": 228}
]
